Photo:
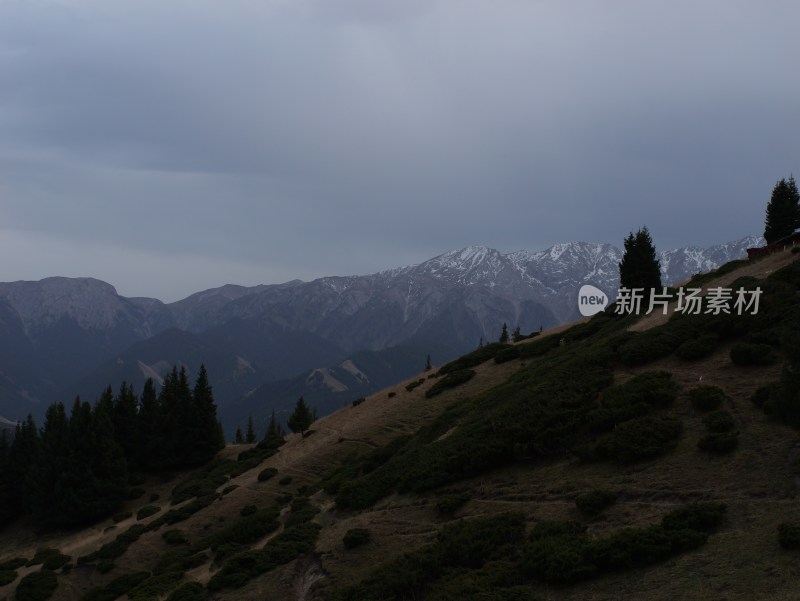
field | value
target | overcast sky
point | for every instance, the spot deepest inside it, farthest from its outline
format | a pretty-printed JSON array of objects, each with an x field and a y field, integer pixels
[{"x": 172, "y": 146}]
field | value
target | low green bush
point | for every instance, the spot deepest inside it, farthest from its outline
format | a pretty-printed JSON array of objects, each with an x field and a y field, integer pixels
[
  {"x": 229, "y": 489},
  {"x": 507, "y": 354},
  {"x": 146, "y": 512},
  {"x": 104, "y": 566},
  {"x": 707, "y": 398},
  {"x": 391, "y": 395},
  {"x": 476, "y": 357},
  {"x": 13, "y": 564},
  {"x": 117, "y": 547},
  {"x": 414, "y": 384},
  {"x": 155, "y": 586},
  {"x": 719, "y": 421},
  {"x": 451, "y": 380},
  {"x": 595, "y": 501},
  {"x": 190, "y": 591},
  {"x": 752, "y": 354},
  {"x": 719, "y": 443},
  {"x": 451, "y": 503},
  {"x": 174, "y": 537},
  {"x": 789, "y": 536},
  {"x": 266, "y": 474},
  {"x": 54, "y": 562},
  {"x": 247, "y": 529},
  {"x": 283, "y": 548},
  {"x": 43, "y": 555},
  {"x": 7, "y": 577},
  {"x": 697, "y": 348},
  {"x": 285, "y": 480},
  {"x": 638, "y": 439},
  {"x": 355, "y": 537},
  {"x": 358, "y": 401},
  {"x": 116, "y": 588},
  {"x": 173, "y": 516},
  {"x": 37, "y": 586}
]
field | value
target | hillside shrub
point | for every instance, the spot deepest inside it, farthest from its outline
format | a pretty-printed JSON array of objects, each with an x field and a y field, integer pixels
[
  {"x": 104, "y": 566},
  {"x": 391, "y": 395},
  {"x": 358, "y": 401},
  {"x": 451, "y": 503},
  {"x": 229, "y": 489},
  {"x": 42, "y": 555},
  {"x": 248, "y": 510},
  {"x": 464, "y": 545},
  {"x": 190, "y": 591},
  {"x": 146, "y": 512},
  {"x": 155, "y": 586},
  {"x": 173, "y": 516},
  {"x": 476, "y": 357},
  {"x": 635, "y": 398},
  {"x": 638, "y": 439},
  {"x": 789, "y": 536},
  {"x": 507, "y": 354},
  {"x": 595, "y": 501},
  {"x": 283, "y": 548},
  {"x": 413, "y": 385},
  {"x": 117, "y": 547},
  {"x": 355, "y": 537},
  {"x": 266, "y": 474},
  {"x": 54, "y": 562},
  {"x": 13, "y": 564},
  {"x": 707, "y": 398},
  {"x": 451, "y": 380},
  {"x": 752, "y": 354},
  {"x": 719, "y": 421},
  {"x": 719, "y": 443},
  {"x": 247, "y": 529},
  {"x": 697, "y": 348},
  {"x": 174, "y": 537},
  {"x": 122, "y": 516},
  {"x": 285, "y": 480},
  {"x": 116, "y": 588},
  {"x": 7, "y": 577},
  {"x": 37, "y": 586}
]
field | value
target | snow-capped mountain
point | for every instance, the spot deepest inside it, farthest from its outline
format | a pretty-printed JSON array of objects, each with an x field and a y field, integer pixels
[{"x": 60, "y": 331}]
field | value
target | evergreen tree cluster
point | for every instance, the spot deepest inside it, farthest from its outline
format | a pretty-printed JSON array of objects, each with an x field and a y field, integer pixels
[
  {"x": 74, "y": 469},
  {"x": 640, "y": 267},
  {"x": 783, "y": 211}
]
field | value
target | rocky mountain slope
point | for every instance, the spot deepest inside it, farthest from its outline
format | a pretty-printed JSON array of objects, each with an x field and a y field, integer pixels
[{"x": 60, "y": 337}]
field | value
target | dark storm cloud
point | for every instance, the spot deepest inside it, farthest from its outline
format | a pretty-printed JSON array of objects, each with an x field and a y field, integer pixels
[{"x": 301, "y": 138}]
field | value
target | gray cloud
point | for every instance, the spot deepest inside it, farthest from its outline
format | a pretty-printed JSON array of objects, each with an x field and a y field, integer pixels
[{"x": 313, "y": 137}]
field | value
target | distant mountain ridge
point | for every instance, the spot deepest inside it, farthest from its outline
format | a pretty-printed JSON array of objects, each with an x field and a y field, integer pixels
[{"x": 63, "y": 336}]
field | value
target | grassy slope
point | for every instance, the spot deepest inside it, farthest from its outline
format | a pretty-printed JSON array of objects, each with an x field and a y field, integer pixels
[{"x": 742, "y": 561}]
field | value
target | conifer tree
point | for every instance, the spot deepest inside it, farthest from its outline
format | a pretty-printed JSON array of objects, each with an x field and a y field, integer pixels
[
  {"x": 150, "y": 424},
  {"x": 125, "y": 419},
  {"x": 208, "y": 439},
  {"x": 504, "y": 334},
  {"x": 8, "y": 502},
  {"x": 783, "y": 211},
  {"x": 640, "y": 267},
  {"x": 516, "y": 335},
  {"x": 428, "y": 365},
  {"x": 238, "y": 438},
  {"x": 301, "y": 418},
  {"x": 251, "y": 433}
]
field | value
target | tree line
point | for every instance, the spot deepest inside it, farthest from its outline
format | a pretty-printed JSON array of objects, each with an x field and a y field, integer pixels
[{"x": 76, "y": 467}]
